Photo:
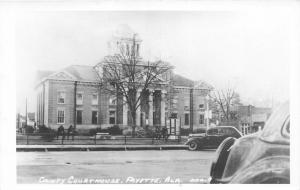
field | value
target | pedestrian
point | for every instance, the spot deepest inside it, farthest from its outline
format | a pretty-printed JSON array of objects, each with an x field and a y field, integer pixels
[
  {"x": 165, "y": 133},
  {"x": 61, "y": 131},
  {"x": 71, "y": 131},
  {"x": 157, "y": 133}
]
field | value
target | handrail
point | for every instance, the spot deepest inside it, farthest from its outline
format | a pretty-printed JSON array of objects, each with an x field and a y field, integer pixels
[{"x": 43, "y": 138}]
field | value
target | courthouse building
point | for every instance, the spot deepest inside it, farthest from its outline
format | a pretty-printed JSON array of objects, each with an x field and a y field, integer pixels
[{"x": 74, "y": 96}]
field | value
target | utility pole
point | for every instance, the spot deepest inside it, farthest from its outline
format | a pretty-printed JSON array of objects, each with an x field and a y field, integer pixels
[
  {"x": 75, "y": 104},
  {"x": 26, "y": 113},
  {"x": 191, "y": 110}
]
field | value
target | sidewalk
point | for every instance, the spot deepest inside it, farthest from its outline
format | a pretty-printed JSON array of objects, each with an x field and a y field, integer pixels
[{"x": 45, "y": 148}]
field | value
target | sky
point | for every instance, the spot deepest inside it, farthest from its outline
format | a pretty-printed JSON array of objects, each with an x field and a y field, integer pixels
[{"x": 249, "y": 51}]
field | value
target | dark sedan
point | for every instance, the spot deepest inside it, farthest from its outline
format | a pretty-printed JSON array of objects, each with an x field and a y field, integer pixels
[
  {"x": 263, "y": 157},
  {"x": 212, "y": 138}
]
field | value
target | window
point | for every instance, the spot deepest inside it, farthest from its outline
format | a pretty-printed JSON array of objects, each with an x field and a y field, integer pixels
[
  {"x": 79, "y": 99},
  {"x": 112, "y": 101},
  {"x": 79, "y": 116},
  {"x": 95, "y": 99},
  {"x": 212, "y": 132},
  {"x": 94, "y": 117},
  {"x": 112, "y": 117},
  {"x": 186, "y": 119},
  {"x": 186, "y": 103},
  {"x": 201, "y": 106},
  {"x": 60, "y": 116},
  {"x": 61, "y": 96},
  {"x": 173, "y": 115},
  {"x": 201, "y": 119}
]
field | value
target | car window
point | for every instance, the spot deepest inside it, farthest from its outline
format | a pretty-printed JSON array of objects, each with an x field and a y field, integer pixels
[
  {"x": 212, "y": 132},
  {"x": 221, "y": 131},
  {"x": 286, "y": 128},
  {"x": 230, "y": 131}
]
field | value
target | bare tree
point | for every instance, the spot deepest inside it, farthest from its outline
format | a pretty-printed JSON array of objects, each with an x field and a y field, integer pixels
[
  {"x": 226, "y": 99},
  {"x": 126, "y": 74}
]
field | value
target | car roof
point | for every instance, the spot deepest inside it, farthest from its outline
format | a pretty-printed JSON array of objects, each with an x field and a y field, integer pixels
[{"x": 220, "y": 127}]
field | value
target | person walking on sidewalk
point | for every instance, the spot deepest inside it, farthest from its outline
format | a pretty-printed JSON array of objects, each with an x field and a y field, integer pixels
[
  {"x": 157, "y": 133},
  {"x": 71, "y": 131},
  {"x": 165, "y": 133},
  {"x": 61, "y": 131}
]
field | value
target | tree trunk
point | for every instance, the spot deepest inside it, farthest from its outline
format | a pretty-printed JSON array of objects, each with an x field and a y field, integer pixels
[{"x": 133, "y": 115}]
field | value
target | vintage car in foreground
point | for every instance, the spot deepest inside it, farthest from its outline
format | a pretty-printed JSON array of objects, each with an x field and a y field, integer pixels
[
  {"x": 262, "y": 157},
  {"x": 212, "y": 138}
]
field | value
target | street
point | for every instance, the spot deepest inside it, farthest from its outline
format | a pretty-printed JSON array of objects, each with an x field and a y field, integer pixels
[{"x": 166, "y": 166}]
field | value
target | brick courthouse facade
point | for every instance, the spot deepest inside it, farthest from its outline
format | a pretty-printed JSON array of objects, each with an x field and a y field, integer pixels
[{"x": 73, "y": 96}]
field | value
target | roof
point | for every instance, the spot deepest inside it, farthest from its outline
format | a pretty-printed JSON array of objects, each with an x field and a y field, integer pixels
[
  {"x": 258, "y": 110},
  {"x": 88, "y": 73},
  {"x": 179, "y": 80},
  {"x": 83, "y": 72},
  {"x": 73, "y": 72}
]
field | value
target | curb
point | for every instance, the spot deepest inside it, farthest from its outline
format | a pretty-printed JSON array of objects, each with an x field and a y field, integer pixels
[{"x": 41, "y": 148}]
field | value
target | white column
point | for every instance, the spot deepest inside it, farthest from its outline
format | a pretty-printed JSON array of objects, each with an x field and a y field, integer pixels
[
  {"x": 207, "y": 111},
  {"x": 163, "y": 108},
  {"x": 138, "y": 110},
  {"x": 151, "y": 107},
  {"x": 125, "y": 112}
]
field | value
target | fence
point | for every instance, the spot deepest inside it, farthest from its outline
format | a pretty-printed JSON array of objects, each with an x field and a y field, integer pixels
[{"x": 43, "y": 139}]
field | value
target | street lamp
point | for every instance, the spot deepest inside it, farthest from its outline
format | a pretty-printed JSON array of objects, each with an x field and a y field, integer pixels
[{"x": 207, "y": 111}]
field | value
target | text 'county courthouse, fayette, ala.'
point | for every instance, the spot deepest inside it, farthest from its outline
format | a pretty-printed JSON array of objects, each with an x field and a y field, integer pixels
[{"x": 73, "y": 96}]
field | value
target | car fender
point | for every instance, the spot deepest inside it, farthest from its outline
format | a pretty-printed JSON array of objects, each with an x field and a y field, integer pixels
[
  {"x": 198, "y": 140},
  {"x": 218, "y": 165},
  {"x": 268, "y": 170}
]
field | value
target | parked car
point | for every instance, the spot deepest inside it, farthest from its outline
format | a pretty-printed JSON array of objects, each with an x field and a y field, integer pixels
[
  {"x": 262, "y": 157},
  {"x": 212, "y": 138}
]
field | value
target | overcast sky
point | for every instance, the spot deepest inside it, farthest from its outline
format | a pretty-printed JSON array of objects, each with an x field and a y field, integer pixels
[{"x": 249, "y": 50}]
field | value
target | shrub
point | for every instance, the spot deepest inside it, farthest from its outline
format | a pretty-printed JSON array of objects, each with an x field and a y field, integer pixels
[
  {"x": 29, "y": 129},
  {"x": 47, "y": 133},
  {"x": 114, "y": 130},
  {"x": 93, "y": 131},
  {"x": 147, "y": 131},
  {"x": 127, "y": 132}
]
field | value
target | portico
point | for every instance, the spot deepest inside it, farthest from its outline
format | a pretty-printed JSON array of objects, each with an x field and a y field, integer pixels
[{"x": 151, "y": 110}]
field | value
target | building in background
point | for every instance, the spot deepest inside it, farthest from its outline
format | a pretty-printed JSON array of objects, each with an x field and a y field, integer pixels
[
  {"x": 75, "y": 96},
  {"x": 21, "y": 121},
  {"x": 251, "y": 118}
]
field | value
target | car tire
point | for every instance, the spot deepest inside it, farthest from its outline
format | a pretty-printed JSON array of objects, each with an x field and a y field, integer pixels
[{"x": 193, "y": 145}]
